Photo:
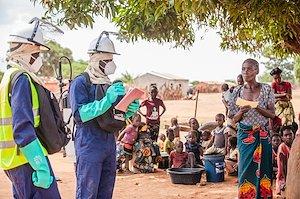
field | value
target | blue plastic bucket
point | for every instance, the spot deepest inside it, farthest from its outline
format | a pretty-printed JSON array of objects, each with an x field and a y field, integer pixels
[{"x": 214, "y": 167}]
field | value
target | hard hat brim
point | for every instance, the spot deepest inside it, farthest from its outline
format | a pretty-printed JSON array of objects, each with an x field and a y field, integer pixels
[
  {"x": 94, "y": 51},
  {"x": 25, "y": 40}
]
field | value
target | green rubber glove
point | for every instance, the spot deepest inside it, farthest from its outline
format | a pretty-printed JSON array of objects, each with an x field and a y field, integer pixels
[
  {"x": 115, "y": 90},
  {"x": 41, "y": 176},
  {"x": 96, "y": 108},
  {"x": 132, "y": 109}
]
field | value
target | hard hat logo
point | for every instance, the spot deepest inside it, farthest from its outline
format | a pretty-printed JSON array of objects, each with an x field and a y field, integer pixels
[{"x": 102, "y": 44}]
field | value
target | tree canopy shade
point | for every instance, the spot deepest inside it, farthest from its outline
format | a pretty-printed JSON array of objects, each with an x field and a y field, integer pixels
[{"x": 247, "y": 25}]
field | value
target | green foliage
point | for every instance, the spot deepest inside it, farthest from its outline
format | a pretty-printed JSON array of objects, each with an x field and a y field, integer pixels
[
  {"x": 243, "y": 25},
  {"x": 127, "y": 78},
  {"x": 195, "y": 83},
  {"x": 285, "y": 63},
  {"x": 78, "y": 67},
  {"x": 51, "y": 58}
]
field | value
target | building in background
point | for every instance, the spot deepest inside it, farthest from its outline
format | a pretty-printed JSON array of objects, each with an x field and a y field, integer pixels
[{"x": 170, "y": 87}]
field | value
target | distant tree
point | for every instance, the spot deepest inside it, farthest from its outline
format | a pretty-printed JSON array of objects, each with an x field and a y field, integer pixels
[
  {"x": 195, "y": 83},
  {"x": 51, "y": 58},
  {"x": 78, "y": 67},
  {"x": 1, "y": 75},
  {"x": 127, "y": 78},
  {"x": 285, "y": 63}
]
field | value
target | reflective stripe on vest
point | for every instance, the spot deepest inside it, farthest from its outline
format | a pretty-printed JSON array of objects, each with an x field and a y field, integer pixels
[
  {"x": 8, "y": 121},
  {"x": 7, "y": 144},
  {"x": 10, "y": 155}
]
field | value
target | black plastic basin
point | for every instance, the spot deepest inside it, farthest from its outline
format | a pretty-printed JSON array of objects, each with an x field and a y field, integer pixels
[{"x": 189, "y": 176}]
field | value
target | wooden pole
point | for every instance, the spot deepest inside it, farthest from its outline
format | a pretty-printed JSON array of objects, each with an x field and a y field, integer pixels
[{"x": 196, "y": 107}]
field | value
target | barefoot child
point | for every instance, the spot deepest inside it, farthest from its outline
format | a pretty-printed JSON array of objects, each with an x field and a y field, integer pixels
[
  {"x": 128, "y": 137},
  {"x": 282, "y": 157},
  {"x": 180, "y": 159},
  {"x": 193, "y": 147}
]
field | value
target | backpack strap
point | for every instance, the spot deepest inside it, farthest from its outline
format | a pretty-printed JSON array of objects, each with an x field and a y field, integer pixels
[{"x": 15, "y": 76}]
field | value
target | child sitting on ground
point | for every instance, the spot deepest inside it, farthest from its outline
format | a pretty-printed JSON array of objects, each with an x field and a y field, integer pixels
[
  {"x": 282, "y": 157},
  {"x": 232, "y": 160},
  {"x": 127, "y": 139},
  {"x": 219, "y": 141},
  {"x": 168, "y": 144},
  {"x": 176, "y": 129},
  {"x": 194, "y": 125},
  {"x": 180, "y": 159},
  {"x": 276, "y": 141},
  {"x": 160, "y": 142},
  {"x": 206, "y": 136},
  {"x": 192, "y": 146}
]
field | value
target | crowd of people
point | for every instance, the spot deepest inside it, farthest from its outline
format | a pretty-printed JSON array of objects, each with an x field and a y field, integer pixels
[
  {"x": 255, "y": 134},
  {"x": 254, "y": 140}
]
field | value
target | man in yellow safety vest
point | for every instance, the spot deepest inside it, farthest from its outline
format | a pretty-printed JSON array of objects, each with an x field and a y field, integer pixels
[{"x": 22, "y": 156}]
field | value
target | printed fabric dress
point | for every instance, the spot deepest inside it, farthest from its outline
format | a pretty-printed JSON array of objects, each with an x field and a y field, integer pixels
[
  {"x": 284, "y": 109},
  {"x": 254, "y": 145}
]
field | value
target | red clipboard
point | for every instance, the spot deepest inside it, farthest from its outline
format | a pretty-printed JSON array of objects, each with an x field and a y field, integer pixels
[{"x": 131, "y": 95}]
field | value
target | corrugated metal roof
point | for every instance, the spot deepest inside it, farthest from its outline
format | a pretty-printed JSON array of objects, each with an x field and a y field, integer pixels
[{"x": 166, "y": 76}]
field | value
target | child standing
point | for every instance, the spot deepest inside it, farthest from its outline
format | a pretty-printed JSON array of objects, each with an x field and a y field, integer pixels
[
  {"x": 153, "y": 113},
  {"x": 219, "y": 141},
  {"x": 225, "y": 96},
  {"x": 192, "y": 146},
  {"x": 276, "y": 141},
  {"x": 232, "y": 160},
  {"x": 169, "y": 145},
  {"x": 176, "y": 129},
  {"x": 128, "y": 137},
  {"x": 282, "y": 157}
]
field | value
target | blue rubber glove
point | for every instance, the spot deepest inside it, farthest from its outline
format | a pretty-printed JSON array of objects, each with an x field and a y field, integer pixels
[
  {"x": 132, "y": 109},
  {"x": 96, "y": 108},
  {"x": 41, "y": 176}
]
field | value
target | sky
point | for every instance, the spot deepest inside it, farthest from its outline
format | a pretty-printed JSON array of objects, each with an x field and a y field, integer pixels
[{"x": 204, "y": 61}]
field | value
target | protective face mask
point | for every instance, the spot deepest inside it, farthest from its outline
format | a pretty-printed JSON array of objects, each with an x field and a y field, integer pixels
[
  {"x": 36, "y": 65},
  {"x": 110, "y": 68}
]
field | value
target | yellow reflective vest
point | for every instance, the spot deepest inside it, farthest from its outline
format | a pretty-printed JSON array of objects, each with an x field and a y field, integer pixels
[{"x": 10, "y": 155}]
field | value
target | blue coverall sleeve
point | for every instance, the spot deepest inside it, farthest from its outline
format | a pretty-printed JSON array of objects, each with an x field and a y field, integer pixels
[
  {"x": 21, "y": 106},
  {"x": 82, "y": 109}
]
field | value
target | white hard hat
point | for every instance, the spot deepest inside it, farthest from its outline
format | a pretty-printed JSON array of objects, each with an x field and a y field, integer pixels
[
  {"x": 102, "y": 44},
  {"x": 31, "y": 34}
]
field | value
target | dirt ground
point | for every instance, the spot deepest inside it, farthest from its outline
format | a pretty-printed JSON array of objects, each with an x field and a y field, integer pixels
[{"x": 158, "y": 185}]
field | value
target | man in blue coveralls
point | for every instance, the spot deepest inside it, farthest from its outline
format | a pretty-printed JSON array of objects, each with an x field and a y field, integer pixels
[
  {"x": 95, "y": 147},
  {"x": 22, "y": 156}
]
